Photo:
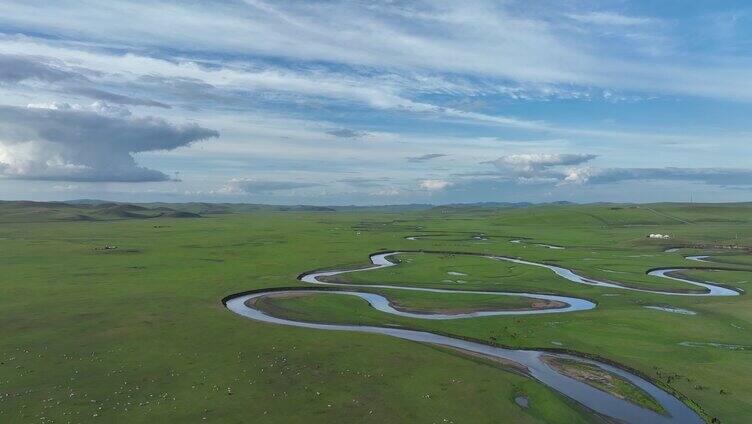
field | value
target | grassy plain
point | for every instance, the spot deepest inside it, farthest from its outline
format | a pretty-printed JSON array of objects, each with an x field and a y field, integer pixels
[{"x": 137, "y": 333}]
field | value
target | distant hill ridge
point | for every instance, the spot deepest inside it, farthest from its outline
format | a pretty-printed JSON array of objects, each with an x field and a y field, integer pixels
[
  {"x": 27, "y": 211},
  {"x": 99, "y": 210},
  {"x": 104, "y": 210}
]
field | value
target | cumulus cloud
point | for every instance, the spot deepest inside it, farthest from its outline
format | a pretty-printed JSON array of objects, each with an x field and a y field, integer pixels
[
  {"x": 424, "y": 158},
  {"x": 253, "y": 186},
  {"x": 575, "y": 175},
  {"x": 96, "y": 143},
  {"x": 434, "y": 185}
]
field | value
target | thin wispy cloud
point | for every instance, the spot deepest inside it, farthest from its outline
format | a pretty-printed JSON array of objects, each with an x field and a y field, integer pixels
[{"x": 251, "y": 186}]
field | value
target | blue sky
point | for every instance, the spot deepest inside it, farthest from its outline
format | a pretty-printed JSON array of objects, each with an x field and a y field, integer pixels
[{"x": 328, "y": 102}]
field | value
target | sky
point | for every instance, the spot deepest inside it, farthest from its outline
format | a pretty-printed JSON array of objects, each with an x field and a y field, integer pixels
[{"x": 376, "y": 102}]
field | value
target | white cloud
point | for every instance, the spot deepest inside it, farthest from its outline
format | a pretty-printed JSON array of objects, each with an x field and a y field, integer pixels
[
  {"x": 577, "y": 175},
  {"x": 195, "y": 80},
  {"x": 292, "y": 84},
  {"x": 434, "y": 185},
  {"x": 493, "y": 40}
]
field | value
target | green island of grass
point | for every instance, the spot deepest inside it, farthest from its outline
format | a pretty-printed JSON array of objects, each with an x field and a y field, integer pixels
[{"x": 604, "y": 381}]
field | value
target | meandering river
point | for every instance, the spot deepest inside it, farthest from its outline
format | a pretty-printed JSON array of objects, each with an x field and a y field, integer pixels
[{"x": 599, "y": 401}]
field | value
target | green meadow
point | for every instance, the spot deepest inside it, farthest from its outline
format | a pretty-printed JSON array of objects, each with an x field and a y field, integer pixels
[{"x": 113, "y": 313}]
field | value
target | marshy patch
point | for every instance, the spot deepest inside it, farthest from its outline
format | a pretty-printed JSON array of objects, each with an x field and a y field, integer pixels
[
  {"x": 522, "y": 401},
  {"x": 671, "y": 309},
  {"x": 726, "y": 346}
]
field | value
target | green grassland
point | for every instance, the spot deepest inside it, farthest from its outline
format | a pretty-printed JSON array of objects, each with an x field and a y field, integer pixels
[{"x": 136, "y": 332}]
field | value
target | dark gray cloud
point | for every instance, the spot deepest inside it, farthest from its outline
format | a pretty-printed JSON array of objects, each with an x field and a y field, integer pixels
[
  {"x": 709, "y": 176},
  {"x": 120, "y": 99},
  {"x": 424, "y": 158},
  {"x": 74, "y": 144},
  {"x": 253, "y": 186},
  {"x": 347, "y": 133}
]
